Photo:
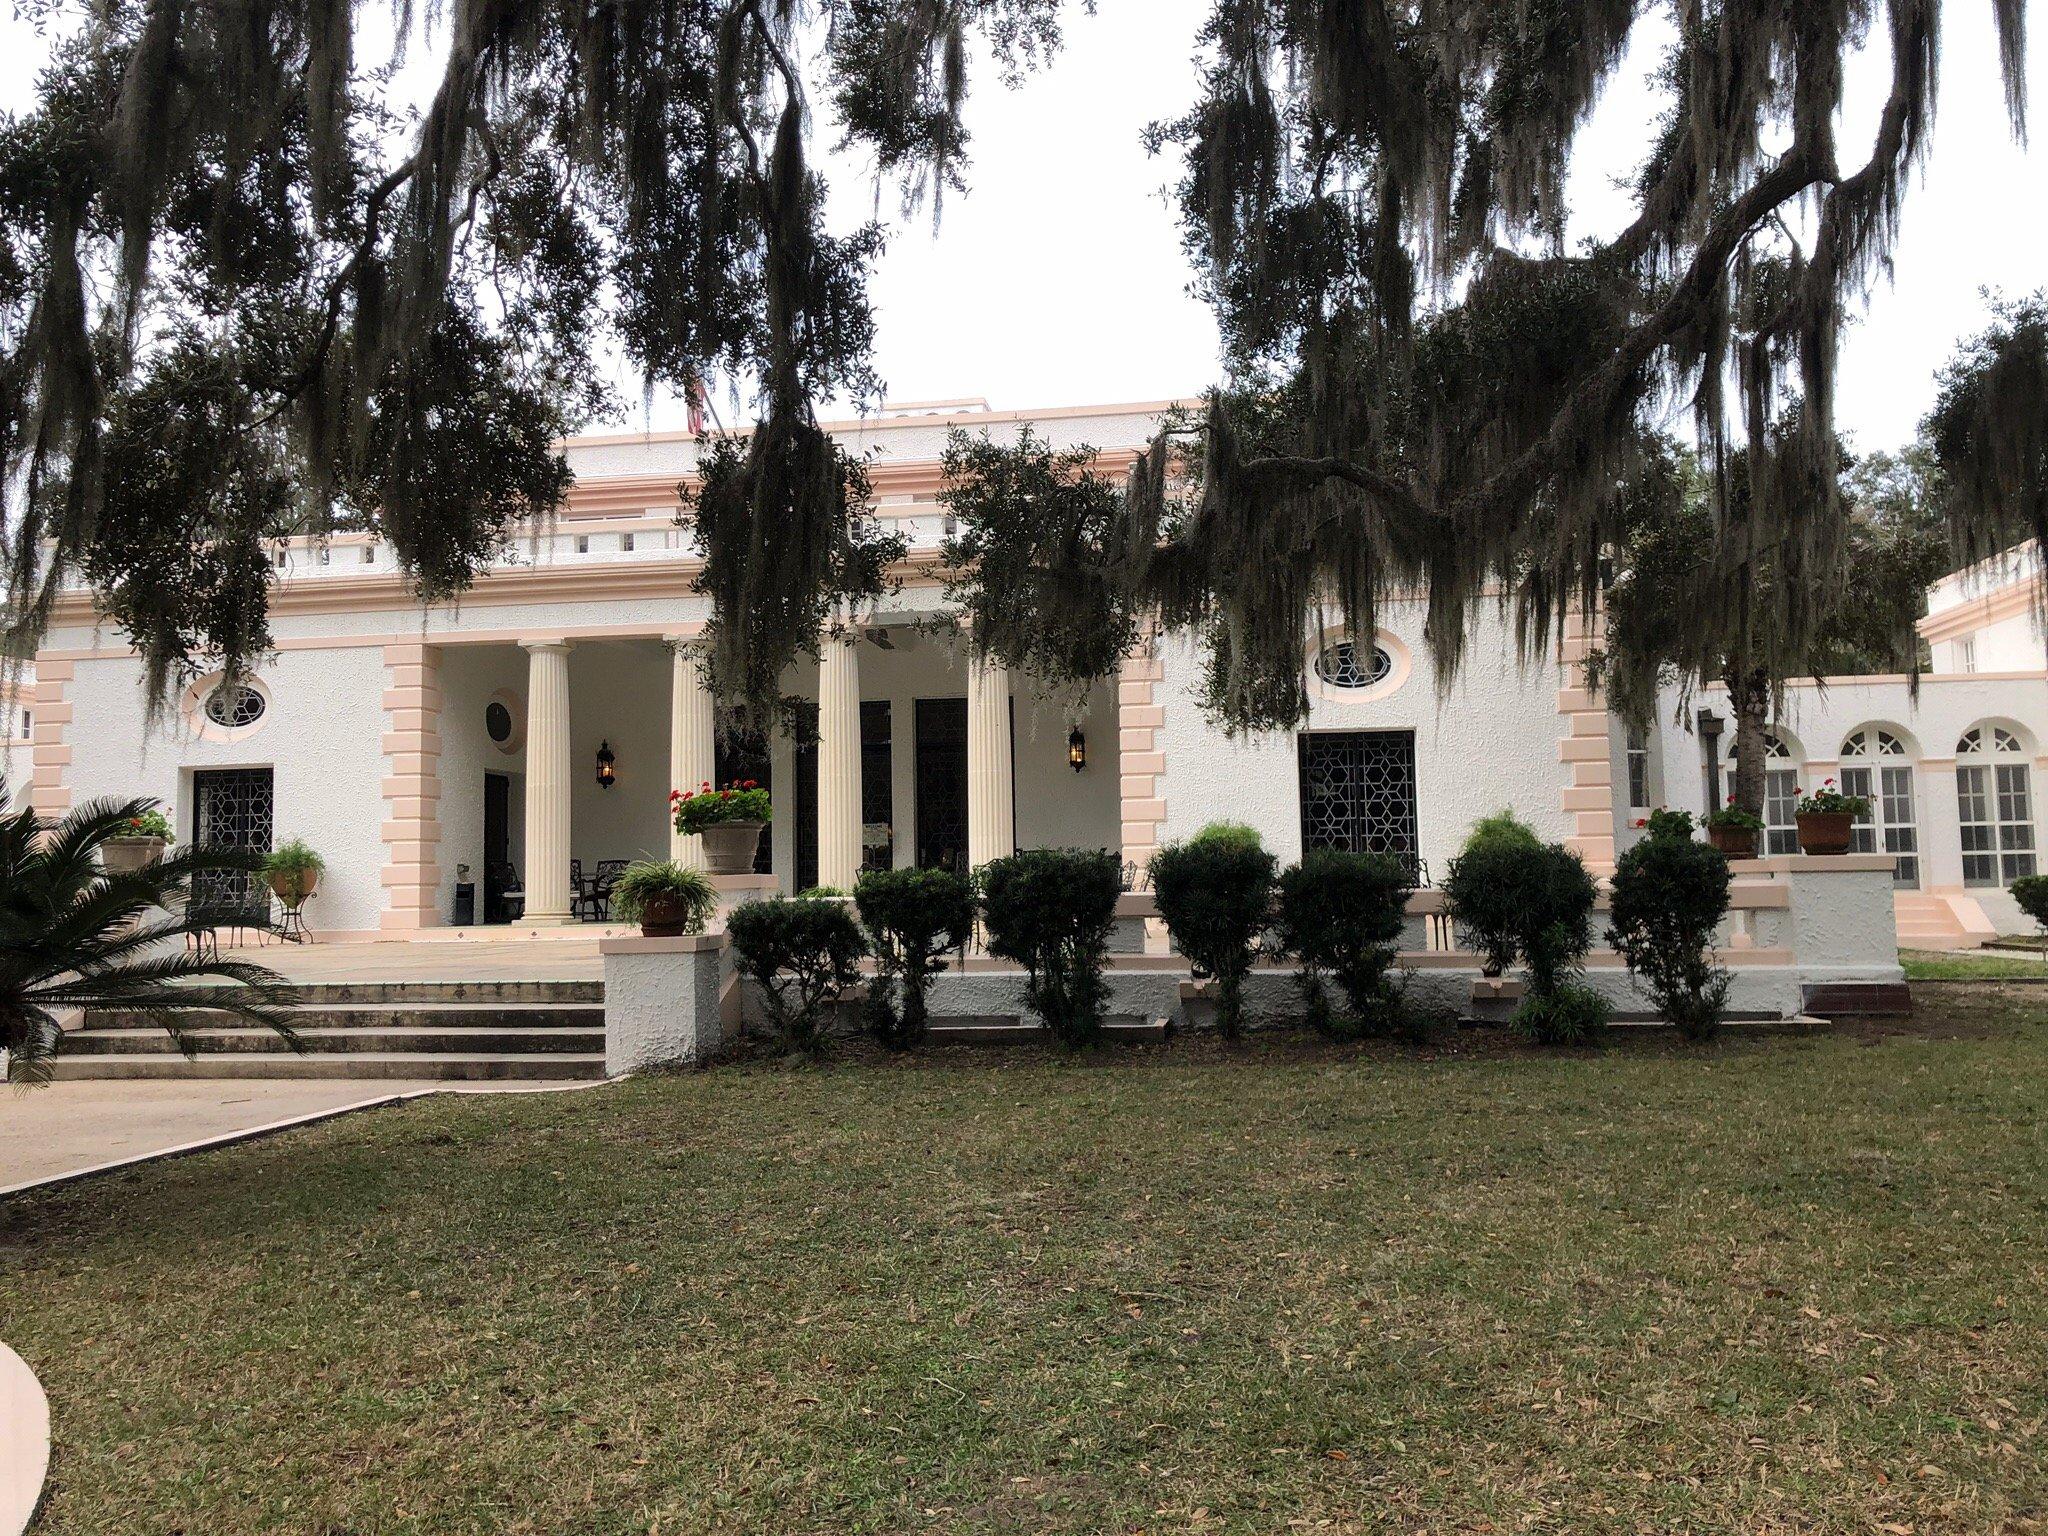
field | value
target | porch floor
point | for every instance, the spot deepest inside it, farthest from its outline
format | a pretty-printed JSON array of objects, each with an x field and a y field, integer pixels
[{"x": 524, "y": 958}]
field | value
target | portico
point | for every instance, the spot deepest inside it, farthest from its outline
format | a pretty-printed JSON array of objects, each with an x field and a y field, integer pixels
[{"x": 913, "y": 755}]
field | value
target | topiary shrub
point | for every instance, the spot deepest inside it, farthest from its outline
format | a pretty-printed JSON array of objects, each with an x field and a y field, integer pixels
[
  {"x": 913, "y": 917},
  {"x": 1051, "y": 910},
  {"x": 1340, "y": 915},
  {"x": 1215, "y": 894},
  {"x": 1670, "y": 894},
  {"x": 1532, "y": 901},
  {"x": 803, "y": 953},
  {"x": 1480, "y": 907}
]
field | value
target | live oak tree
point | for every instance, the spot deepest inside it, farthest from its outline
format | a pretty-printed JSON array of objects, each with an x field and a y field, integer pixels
[
  {"x": 1684, "y": 543},
  {"x": 242, "y": 297},
  {"x": 238, "y": 296}
]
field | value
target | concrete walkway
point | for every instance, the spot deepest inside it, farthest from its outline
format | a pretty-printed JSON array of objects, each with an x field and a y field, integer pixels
[{"x": 69, "y": 1128}]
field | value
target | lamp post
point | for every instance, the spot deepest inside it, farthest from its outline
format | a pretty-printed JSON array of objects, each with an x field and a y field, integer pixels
[{"x": 1710, "y": 740}]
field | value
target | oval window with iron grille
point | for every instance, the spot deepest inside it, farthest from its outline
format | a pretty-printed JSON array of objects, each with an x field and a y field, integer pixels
[
  {"x": 234, "y": 705},
  {"x": 1347, "y": 665}
]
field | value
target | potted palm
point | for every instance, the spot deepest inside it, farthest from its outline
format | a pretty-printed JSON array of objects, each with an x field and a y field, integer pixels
[
  {"x": 1827, "y": 818},
  {"x": 665, "y": 899},
  {"x": 729, "y": 820},
  {"x": 144, "y": 836},
  {"x": 292, "y": 870},
  {"x": 1734, "y": 830}
]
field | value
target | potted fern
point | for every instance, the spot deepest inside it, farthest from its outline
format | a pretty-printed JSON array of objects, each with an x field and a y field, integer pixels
[
  {"x": 145, "y": 836},
  {"x": 729, "y": 820},
  {"x": 664, "y": 898},
  {"x": 292, "y": 869}
]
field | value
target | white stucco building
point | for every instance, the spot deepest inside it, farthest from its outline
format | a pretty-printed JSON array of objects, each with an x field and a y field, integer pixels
[
  {"x": 438, "y": 757},
  {"x": 1952, "y": 765}
]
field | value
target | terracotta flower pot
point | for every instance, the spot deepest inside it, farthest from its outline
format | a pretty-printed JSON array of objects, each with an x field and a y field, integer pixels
[
  {"x": 664, "y": 917},
  {"x": 293, "y": 886},
  {"x": 125, "y": 855},
  {"x": 729, "y": 846},
  {"x": 1736, "y": 842},
  {"x": 1824, "y": 832}
]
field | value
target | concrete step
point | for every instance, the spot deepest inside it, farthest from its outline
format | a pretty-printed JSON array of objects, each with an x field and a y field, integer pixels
[
  {"x": 370, "y": 1065},
  {"x": 326, "y": 992},
  {"x": 256, "y": 1040},
  {"x": 388, "y": 1015}
]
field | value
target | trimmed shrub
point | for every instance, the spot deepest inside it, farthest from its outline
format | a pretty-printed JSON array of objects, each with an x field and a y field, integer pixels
[
  {"x": 1215, "y": 894},
  {"x": 1532, "y": 901},
  {"x": 1481, "y": 907},
  {"x": 803, "y": 953},
  {"x": 2031, "y": 892},
  {"x": 1670, "y": 894},
  {"x": 913, "y": 917},
  {"x": 1051, "y": 910},
  {"x": 1340, "y": 915}
]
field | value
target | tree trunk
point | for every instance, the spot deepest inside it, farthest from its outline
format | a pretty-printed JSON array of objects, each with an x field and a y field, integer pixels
[{"x": 1749, "y": 697}]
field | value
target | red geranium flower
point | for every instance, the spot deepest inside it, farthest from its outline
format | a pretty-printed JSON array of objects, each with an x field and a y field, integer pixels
[{"x": 749, "y": 784}]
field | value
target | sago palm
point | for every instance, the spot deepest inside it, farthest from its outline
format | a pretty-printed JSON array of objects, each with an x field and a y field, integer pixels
[{"x": 73, "y": 935}]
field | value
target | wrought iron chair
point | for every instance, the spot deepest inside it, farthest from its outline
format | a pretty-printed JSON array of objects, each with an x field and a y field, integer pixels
[
  {"x": 607, "y": 876},
  {"x": 510, "y": 897},
  {"x": 583, "y": 898}
]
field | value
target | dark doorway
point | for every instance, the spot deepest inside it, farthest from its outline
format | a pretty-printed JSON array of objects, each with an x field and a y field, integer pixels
[
  {"x": 941, "y": 771},
  {"x": 499, "y": 874},
  {"x": 232, "y": 808},
  {"x": 1358, "y": 794},
  {"x": 877, "y": 799}
]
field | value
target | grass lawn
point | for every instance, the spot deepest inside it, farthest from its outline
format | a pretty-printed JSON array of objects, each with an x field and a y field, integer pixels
[
  {"x": 1968, "y": 965},
  {"x": 1786, "y": 1283}
]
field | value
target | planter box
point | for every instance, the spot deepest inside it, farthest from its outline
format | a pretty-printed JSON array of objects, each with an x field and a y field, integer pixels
[
  {"x": 125, "y": 855},
  {"x": 1736, "y": 842},
  {"x": 1825, "y": 833}
]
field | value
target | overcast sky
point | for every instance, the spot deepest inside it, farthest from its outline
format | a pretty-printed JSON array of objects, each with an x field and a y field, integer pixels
[{"x": 1058, "y": 277}]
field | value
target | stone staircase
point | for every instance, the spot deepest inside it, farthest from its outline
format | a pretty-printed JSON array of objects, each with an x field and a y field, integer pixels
[
  {"x": 1927, "y": 921},
  {"x": 464, "y": 1031}
]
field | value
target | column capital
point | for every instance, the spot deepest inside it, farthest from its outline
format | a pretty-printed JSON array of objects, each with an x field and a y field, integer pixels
[{"x": 536, "y": 647}]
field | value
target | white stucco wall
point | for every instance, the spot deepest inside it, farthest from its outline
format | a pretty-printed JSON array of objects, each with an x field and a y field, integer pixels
[
  {"x": 1817, "y": 720},
  {"x": 1489, "y": 742},
  {"x": 320, "y": 736}
]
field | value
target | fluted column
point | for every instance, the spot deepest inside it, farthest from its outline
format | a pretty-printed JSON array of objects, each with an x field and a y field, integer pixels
[
  {"x": 692, "y": 742},
  {"x": 991, "y": 784},
  {"x": 839, "y": 798},
  {"x": 547, "y": 783}
]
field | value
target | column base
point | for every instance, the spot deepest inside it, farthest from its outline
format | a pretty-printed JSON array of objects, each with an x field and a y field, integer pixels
[{"x": 545, "y": 920}]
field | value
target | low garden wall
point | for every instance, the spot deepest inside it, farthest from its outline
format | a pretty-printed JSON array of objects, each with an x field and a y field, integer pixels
[{"x": 1795, "y": 923}]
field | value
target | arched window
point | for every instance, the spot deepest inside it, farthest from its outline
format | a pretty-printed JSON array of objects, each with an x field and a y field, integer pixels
[
  {"x": 1995, "y": 804},
  {"x": 1875, "y": 767},
  {"x": 1781, "y": 793}
]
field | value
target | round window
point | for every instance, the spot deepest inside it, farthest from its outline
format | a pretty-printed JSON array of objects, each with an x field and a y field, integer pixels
[
  {"x": 1345, "y": 665},
  {"x": 234, "y": 705},
  {"x": 498, "y": 722}
]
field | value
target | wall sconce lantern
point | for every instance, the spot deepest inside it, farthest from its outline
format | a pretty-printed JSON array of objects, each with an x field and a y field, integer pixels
[
  {"x": 1077, "y": 749},
  {"x": 607, "y": 760}
]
